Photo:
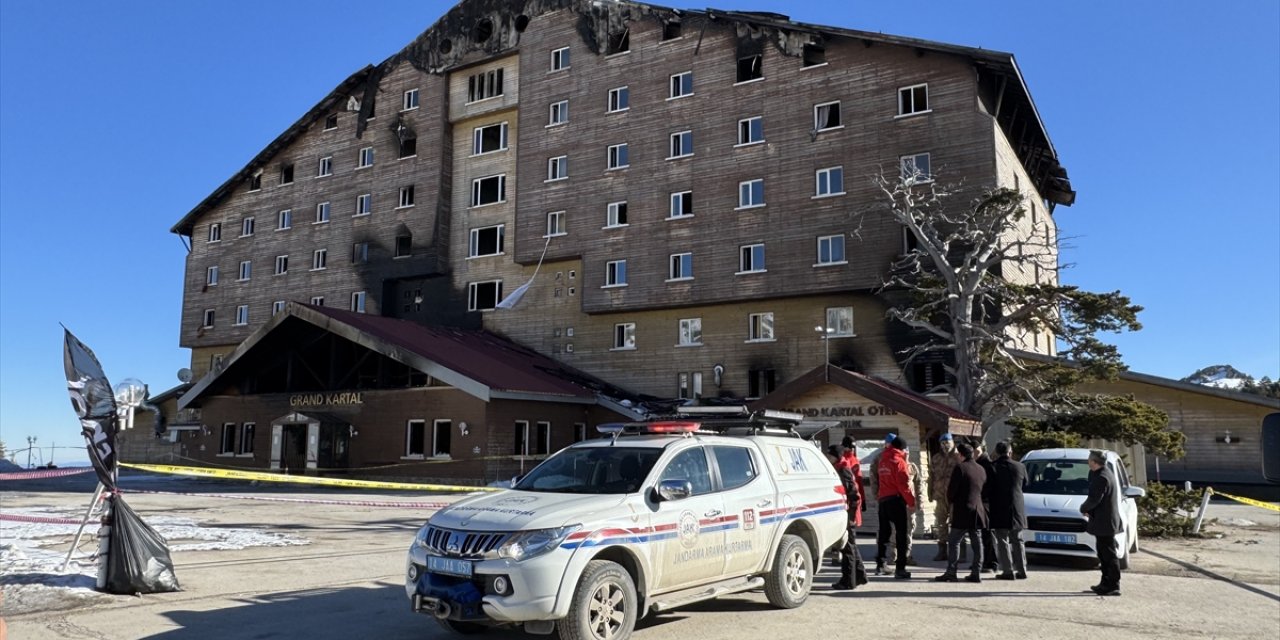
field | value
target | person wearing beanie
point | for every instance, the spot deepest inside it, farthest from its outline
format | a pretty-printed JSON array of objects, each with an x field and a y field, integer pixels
[
  {"x": 852, "y": 572},
  {"x": 895, "y": 502},
  {"x": 941, "y": 465}
]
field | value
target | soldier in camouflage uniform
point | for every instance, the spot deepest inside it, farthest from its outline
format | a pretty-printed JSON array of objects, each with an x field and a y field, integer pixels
[{"x": 941, "y": 465}]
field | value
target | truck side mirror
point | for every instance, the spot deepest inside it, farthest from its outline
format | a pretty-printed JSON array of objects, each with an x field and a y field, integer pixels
[{"x": 669, "y": 490}]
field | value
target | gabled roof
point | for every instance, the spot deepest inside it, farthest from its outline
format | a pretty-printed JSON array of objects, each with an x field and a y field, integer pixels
[
  {"x": 935, "y": 416},
  {"x": 479, "y": 363},
  {"x": 424, "y": 52}
]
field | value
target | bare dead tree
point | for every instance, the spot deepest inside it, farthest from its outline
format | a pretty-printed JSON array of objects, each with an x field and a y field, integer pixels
[{"x": 982, "y": 278}]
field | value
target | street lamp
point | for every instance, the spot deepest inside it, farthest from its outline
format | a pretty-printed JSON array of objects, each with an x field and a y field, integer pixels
[{"x": 825, "y": 333}]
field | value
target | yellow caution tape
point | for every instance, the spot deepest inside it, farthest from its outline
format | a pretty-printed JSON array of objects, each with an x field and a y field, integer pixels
[
  {"x": 206, "y": 472},
  {"x": 1249, "y": 501}
]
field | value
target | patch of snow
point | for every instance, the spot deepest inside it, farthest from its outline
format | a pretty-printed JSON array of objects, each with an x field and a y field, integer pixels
[
  {"x": 1239, "y": 522},
  {"x": 31, "y": 555},
  {"x": 1225, "y": 383}
]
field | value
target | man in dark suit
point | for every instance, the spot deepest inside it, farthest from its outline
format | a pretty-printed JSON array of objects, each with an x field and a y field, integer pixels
[
  {"x": 968, "y": 515},
  {"x": 1104, "y": 522},
  {"x": 988, "y": 536},
  {"x": 1008, "y": 512}
]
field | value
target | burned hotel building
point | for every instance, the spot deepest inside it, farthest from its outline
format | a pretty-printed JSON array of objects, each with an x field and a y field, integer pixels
[{"x": 687, "y": 193}]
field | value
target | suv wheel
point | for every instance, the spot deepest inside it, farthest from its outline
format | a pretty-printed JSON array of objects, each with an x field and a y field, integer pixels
[
  {"x": 604, "y": 605},
  {"x": 462, "y": 628},
  {"x": 791, "y": 577}
]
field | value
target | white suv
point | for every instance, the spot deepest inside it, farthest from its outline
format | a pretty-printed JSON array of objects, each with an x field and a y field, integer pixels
[
  {"x": 1057, "y": 484},
  {"x": 658, "y": 515}
]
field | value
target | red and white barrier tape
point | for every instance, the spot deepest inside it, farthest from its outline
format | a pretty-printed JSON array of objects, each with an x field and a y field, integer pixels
[
  {"x": 15, "y": 517},
  {"x": 343, "y": 503},
  {"x": 47, "y": 473}
]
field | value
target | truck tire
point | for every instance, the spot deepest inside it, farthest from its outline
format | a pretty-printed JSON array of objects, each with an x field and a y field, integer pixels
[
  {"x": 788, "y": 583},
  {"x": 604, "y": 605},
  {"x": 462, "y": 628}
]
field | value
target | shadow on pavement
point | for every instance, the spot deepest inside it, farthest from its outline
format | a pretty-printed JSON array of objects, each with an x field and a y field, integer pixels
[{"x": 1209, "y": 574}]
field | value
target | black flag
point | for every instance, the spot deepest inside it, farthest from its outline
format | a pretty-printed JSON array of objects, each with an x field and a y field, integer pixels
[{"x": 95, "y": 404}]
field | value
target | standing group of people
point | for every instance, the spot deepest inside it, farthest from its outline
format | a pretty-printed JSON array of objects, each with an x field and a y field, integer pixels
[{"x": 977, "y": 498}]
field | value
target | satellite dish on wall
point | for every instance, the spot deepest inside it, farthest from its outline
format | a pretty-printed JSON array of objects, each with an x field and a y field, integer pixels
[{"x": 184, "y": 375}]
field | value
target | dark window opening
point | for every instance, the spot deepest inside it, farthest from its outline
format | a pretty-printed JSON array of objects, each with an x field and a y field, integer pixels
[
  {"x": 443, "y": 443},
  {"x": 408, "y": 147},
  {"x": 483, "y": 296},
  {"x": 814, "y": 55},
  {"x": 749, "y": 68},
  {"x": 445, "y": 46},
  {"x": 484, "y": 85},
  {"x": 255, "y": 182},
  {"x": 827, "y": 116},
  {"x": 404, "y": 246},
  {"x": 331, "y": 121},
  {"x": 360, "y": 253},
  {"x": 671, "y": 30},
  {"x": 909, "y": 241},
  {"x": 486, "y": 241},
  {"x": 489, "y": 190},
  {"x": 482, "y": 30},
  {"x": 373, "y": 105},
  {"x": 286, "y": 173},
  {"x": 760, "y": 382},
  {"x": 619, "y": 42},
  {"x": 417, "y": 437},
  {"x": 926, "y": 376},
  {"x": 522, "y": 23}
]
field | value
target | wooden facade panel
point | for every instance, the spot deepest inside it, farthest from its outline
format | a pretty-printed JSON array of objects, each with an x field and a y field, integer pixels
[{"x": 382, "y": 181}]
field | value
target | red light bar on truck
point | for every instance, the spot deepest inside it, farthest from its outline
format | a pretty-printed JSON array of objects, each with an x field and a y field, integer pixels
[{"x": 671, "y": 427}]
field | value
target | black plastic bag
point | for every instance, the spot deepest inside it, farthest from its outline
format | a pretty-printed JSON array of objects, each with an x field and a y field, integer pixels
[{"x": 138, "y": 560}]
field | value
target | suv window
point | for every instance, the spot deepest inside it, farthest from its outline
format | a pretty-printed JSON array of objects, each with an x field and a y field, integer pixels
[
  {"x": 592, "y": 470},
  {"x": 690, "y": 465},
  {"x": 736, "y": 466}
]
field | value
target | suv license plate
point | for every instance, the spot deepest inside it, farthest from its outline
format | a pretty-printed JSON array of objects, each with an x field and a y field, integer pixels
[
  {"x": 1056, "y": 538},
  {"x": 449, "y": 566}
]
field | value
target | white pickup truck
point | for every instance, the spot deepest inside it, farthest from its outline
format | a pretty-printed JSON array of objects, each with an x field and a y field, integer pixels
[{"x": 655, "y": 516}]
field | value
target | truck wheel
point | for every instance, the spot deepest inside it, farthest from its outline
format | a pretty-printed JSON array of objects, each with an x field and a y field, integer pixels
[
  {"x": 604, "y": 605},
  {"x": 791, "y": 577},
  {"x": 461, "y": 628}
]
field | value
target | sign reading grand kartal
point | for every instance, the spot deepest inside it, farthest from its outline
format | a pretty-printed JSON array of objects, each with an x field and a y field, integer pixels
[{"x": 338, "y": 399}]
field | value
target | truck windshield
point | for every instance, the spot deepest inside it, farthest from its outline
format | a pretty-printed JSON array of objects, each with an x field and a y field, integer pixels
[
  {"x": 592, "y": 470},
  {"x": 1058, "y": 477}
]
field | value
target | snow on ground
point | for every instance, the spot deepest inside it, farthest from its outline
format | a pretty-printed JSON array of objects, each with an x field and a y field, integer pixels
[{"x": 32, "y": 554}]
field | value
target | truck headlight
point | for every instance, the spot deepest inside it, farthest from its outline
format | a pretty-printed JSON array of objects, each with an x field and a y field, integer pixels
[{"x": 529, "y": 544}]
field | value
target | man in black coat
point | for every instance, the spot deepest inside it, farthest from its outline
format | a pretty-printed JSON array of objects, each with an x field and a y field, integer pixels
[
  {"x": 1104, "y": 522},
  {"x": 1008, "y": 512},
  {"x": 988, "y": 536},
  {"x": 968, "y": 515}
]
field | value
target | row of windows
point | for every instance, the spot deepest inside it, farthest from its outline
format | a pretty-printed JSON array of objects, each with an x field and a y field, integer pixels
[
  {"x": 436, "y": 441},
  {"x": 236, "y": 440},
  {"x": 838, "y": 323},
  {"x": 319, "y": 259},
  {"x": 284, "y": 217},
  {"x": 912, "y": 100},
  {"x": 751, "y": 259},
  {"x": 209, "y": 317}
]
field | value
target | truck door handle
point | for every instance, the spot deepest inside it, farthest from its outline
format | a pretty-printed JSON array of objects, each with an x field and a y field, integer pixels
[
  {"x": 764, "y": 503},
  {"x": 712, "y": 513}
]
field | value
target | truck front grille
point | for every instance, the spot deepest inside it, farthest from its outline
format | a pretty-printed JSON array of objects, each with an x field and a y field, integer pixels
[
  {"x": 464, "y": 544},
  {"x": 1065, "y": 525}
]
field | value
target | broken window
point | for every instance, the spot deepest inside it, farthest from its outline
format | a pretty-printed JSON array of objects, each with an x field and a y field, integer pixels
[
  {"x": 489, "y": 138},
  {"x": 814, "y": 55},
  {"x": 415, "y": 439},
  {"x": 826, "y": 116},
  {"x": 483, "y": 296},
  {"x": 404, "y": 246},
  {"x": 671, "y": 30},
  {"x": 331, "y": 122},
  {"x": 760, "y": 382},
  {"x": 286, "y": 173},
  {"x": 489, "y": 190},
  {"x": 408, "y": 147},
  {"x": 485, "y": 85},
  {"x": 255, "y": 181},
  {"x": 486, "y": 241},
  {"x": 749, "y": 68},
  {"x": 360, "y": 253},
  {"x": 619, "y": 42}
]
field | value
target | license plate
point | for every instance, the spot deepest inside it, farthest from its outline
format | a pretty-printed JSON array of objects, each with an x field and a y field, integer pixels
[
  {"x": 1056, "y": 538},
  {"x": 449, "y": 566}
]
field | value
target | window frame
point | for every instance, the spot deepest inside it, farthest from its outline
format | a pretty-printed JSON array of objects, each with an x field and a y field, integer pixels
[
  {"x": 680, "y": 267},
  {"x": 477, "y": 191},
  {"x": 281, "y": 265},
  {"x": 208, "y": 318},
  {"x": 680, "y": 138},
  {"x": 839, "y": 113},
  {"x": 359, "y": 301},
  {"x": 557, "y": 168},
  {"x": 473, "y": 295},
  {"x": 620, "y": 154},
  {"x": 248, "y": 225},
  {"x": 277, "y": 307},
  {"x": 749, "y": 129},
  {"x": 560, "y": 59},
  {"x": 829, "y": 239},
  {"x": 319, "y": 259},
  {"x": 227, "y": 439},
  {"x": 616, "y": 215},
  {"x": 756, "y": 325},
  {"x": 560, "y": 224},
  {"x": 211, "y": 276},
  {"x": 485, "y": 85},
  {"x": 677, "y": 91},
  {"x": 681, "y": 197},
  {"x": 743, "y": 255},
  {"x": 558, "y": 113},
  {"x": 409, "y": 100},
  {"x": 245, "y": 273},
  {"x": 688, "y": 327},
  {"x": 474, "y": 241},
  {"x": 284, "y": 219},
  {"x": 910, "y": 91},
  {"x": 409, "y": 440},
  {"x": 364, "y": 205},
  {"x": 365, "y": 158},
  {"x": 624, "y": 336},
  {"x": 435, "y": 438},
  {"x": 615, "y": 274},
  {"x": 618, "y": 96},
  {"x": 242, "y": 316},
  {"x": 323, "y": 212},
  {"x": 833, "y": 330},
  {"x": 750, "y": 184},
  {"x": 326, "y": 167},
  {"x": 244, "y": 444},
  {"x": 478, "y": 137},
  {"x": 407, "y": 197},
  {"x": 826, "y": 173},
  {"x": 759, "y": 69},
  {"x": 926, "y": 176},
  {"x": 215, "y": 233}
]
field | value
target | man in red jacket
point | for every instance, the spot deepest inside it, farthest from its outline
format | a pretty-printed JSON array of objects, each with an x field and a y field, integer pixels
[
  {"x": 895, "y": 501},
  {"x": 849, "y": 468}
]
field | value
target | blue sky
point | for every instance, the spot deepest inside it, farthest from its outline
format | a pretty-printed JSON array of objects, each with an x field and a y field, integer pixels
[{"x": 117, "y": 118}]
